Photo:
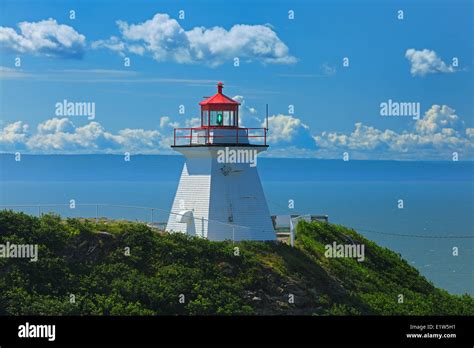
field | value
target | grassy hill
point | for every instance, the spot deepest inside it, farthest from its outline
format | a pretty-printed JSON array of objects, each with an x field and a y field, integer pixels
[{"x": 91, "y": 262}]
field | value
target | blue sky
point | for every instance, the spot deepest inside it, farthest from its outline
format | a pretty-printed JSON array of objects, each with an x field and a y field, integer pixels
[{"x": 282, "y": 62}]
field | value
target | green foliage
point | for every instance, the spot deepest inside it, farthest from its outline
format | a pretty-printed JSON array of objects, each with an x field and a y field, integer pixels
[{"x": 89, "y": 261}]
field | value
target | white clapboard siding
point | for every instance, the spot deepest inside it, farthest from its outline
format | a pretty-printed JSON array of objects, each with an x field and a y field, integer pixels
[{"x": 233, "y": 206}]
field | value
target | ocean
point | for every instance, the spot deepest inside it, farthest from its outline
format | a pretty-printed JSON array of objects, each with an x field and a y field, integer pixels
[{"x": 438, "y": 199}]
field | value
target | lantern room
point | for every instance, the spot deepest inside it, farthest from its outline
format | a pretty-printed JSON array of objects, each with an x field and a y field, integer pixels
[
  {"x": 219, "y": 110},
  {"x": 220, "y": 125}
]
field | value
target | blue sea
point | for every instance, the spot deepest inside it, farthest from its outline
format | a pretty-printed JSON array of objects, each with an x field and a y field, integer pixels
[{"x": 438, "y": 199}]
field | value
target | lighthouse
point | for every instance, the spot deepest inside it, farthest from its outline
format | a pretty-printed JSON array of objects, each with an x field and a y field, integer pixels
[{"x": 220, "y": 195}]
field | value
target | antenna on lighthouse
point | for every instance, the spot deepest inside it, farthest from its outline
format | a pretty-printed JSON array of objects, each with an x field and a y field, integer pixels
[{"x": 266, "y": 116}]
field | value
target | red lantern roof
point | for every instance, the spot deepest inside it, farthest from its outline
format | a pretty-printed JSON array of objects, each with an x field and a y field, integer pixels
[{"x": 219, "y": 98}]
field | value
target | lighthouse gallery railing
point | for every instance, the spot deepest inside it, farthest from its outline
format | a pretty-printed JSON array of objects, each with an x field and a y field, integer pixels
[{"x": 219, "y": 135}]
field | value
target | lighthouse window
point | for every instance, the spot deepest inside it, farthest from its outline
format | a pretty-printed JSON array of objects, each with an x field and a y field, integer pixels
[
  {"x": 228, "y": 118},
  {"x": 203, "y": 117},
  {"x": 222, "y": 118},
  {"x": 213, "y": 118}
]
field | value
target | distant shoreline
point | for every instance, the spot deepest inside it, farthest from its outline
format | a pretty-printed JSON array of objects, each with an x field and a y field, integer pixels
[{"x": 263, "y": 156}]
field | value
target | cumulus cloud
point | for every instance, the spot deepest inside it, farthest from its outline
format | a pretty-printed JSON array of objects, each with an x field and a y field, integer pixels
[
  {"x": 470, "y": 133},
  {"x": 283, "y": 127},
  {"x": 165, "y": 121},
  {"x": 45, "y": 38},
  {"x": 60, "y": 135},
  {"x": 288, "y": 134},
  {"x": 426, "y": 62},
  {"x": 164, "y": 39},
  {"x": 438, "y": 119},
  {"x": 435, "y": 136},
  {"x": 56, "y": 125},
  {"x": 13, "y": 136},
  {"x": 248, "y": 116}
]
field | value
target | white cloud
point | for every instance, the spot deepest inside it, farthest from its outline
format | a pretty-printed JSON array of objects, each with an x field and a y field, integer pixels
[
  {"x": 62, "y": 136},
  {"x": 13, "y": 136},
  {"x": 248, "y": 116},
  {"x": 283, "y": 128},
  {"x": 113, "y": 44},
  {"x": 164, "y": 39},
  {"x": 288, "y": 133},
  {"x": 434, "y": 137},
  {"x": 168, "y": 125},
  {"x": 165, "y": 121},
  {"x": 470, "y": 133},
  {"x": 140, "y": 140},
  {"x": 192, "y": 122},
  {"x": 439, "y": 133},
  {"x": 328, "y": 70},
  {"x": 438, "y": 118},
  {"x": 56, "y": 125},
  {"x": 46, "y": 37},
  {"x": 426, "y": 62},
  {"x": 362, "y": 138},
  {"x": 89, "y": 138}
]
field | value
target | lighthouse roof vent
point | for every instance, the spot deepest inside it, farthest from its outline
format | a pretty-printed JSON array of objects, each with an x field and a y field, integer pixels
[{"x": 219, "y": 98}]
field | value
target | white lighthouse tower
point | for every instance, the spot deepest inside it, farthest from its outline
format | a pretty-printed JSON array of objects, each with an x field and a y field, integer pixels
[{"x": 219, "y": 194}]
